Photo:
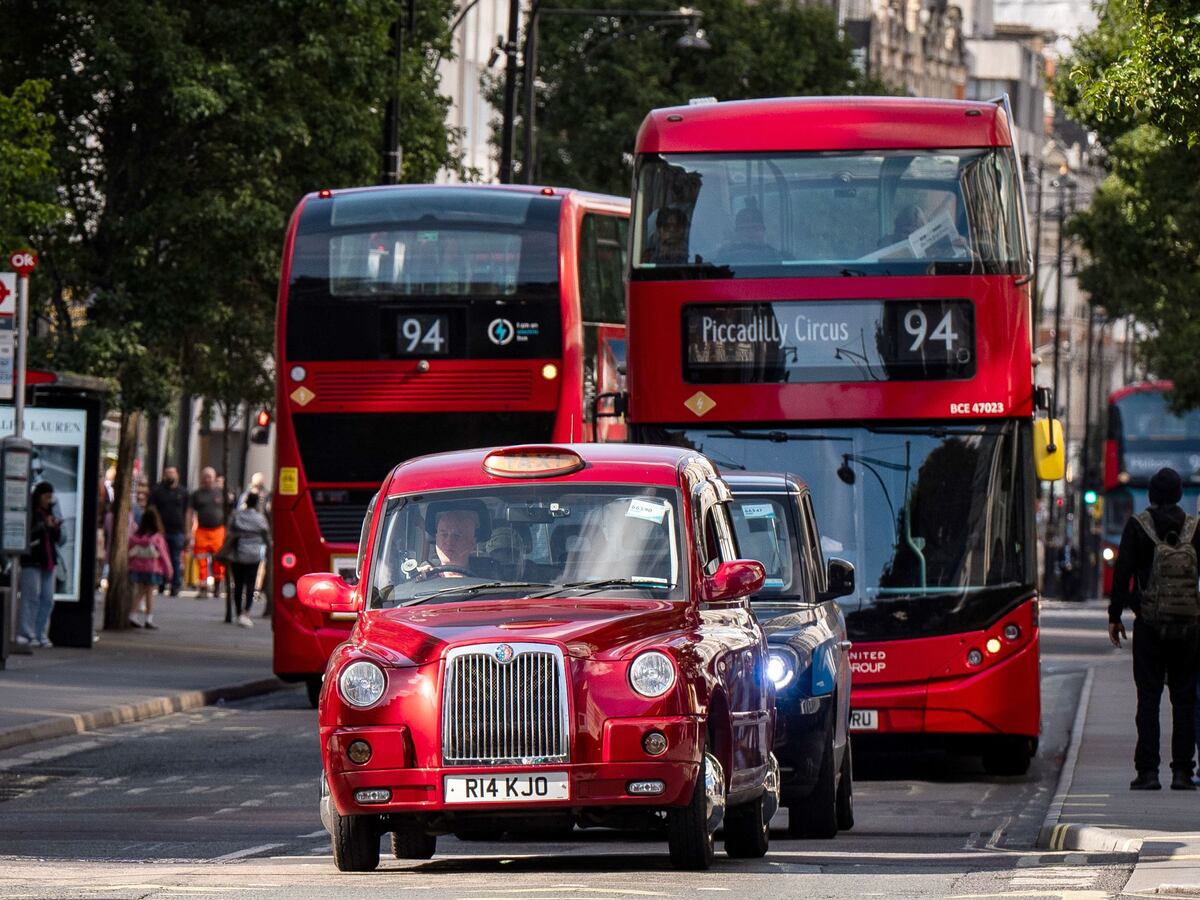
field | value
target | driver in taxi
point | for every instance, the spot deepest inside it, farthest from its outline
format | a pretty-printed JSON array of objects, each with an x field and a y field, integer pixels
[{"x": 453, "y": 542}]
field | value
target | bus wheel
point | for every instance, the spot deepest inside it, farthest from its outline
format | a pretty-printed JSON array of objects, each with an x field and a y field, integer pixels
[
  {"x": 413, "y": 843},
  {"x": 816, "y": 816},
  {"x": 355, "y": 842},
  {"x": 1009, "y": 755},
  {"x": 312, "y": 686},
  {"x": 845, "y": 793}
]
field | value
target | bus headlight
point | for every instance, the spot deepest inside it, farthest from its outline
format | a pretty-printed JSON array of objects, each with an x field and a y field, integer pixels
[
  {"x": 361, "y": 683},
  {"x": 781, "y": 666},
  {"x": 652, "y": 674}
]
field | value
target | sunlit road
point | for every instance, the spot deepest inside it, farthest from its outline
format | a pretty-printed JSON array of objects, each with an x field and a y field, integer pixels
[{"x": 223, "y": 802}]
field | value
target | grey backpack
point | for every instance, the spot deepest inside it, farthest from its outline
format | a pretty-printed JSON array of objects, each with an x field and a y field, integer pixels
[{"x": 1171, "y": 600}]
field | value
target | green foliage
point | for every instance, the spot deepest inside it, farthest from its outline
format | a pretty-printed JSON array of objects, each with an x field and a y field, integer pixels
[
  {"x": 1142, "y": 230},
  {"x": 26, "y": 175},
  {"x": 184, "y": 133},
  {"x": 598, "y": 77},
  {"x": 1153, "y": 74}
]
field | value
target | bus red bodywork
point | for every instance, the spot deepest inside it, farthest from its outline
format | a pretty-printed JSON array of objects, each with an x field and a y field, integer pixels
[
  {"x": 346, "y": 415},
  {"x": 967, "y": 671}
]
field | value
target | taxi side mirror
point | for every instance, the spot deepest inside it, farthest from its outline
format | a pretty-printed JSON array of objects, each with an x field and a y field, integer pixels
[
  {"x": 840, "y": 579},
  {"x": 739, "y": 578},
  {"x": 326, "y": 592},
  {"x": 1049, "y": 451}
]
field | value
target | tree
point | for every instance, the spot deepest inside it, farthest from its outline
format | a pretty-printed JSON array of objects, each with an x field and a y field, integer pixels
[
  {"x": 1142, "y": 230},
  {"x": 26, "y": 174},
  {"x": 184, "y": 133},
  {"x": 598, "y": 77},
  {"x": 1153, "y": 76}
]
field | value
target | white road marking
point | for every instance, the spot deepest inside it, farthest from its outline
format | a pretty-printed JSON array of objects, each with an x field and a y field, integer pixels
[{"x": 249, "y": 851}]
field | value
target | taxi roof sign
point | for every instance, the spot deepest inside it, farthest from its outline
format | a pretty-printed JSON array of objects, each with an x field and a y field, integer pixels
[{"x": 532, "y": 462}]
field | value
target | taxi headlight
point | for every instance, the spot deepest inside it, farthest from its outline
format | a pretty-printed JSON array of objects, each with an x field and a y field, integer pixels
[
  {"x": 781, "y": 667},
  {"x": 652, "y": 674},
  {"x": 361, "y": 683}
]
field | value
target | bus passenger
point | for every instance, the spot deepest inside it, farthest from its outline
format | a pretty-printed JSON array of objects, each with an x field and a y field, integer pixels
[
  {"x": 749, "y": 243},
  {"x": 669, "y": 243}
]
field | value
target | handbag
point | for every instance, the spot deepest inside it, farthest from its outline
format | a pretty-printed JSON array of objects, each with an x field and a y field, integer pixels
[{"x": 226, "y": 555}]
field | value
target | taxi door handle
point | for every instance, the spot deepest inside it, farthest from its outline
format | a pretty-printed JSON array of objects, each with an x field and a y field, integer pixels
[{"x": 845, "y": 645}]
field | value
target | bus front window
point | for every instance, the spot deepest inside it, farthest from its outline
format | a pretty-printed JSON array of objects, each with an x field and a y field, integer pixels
[{"x": 789, "y": 215}]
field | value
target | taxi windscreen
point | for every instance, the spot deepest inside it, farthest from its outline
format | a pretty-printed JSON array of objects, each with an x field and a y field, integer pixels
[
  {"x": 766, "y": 531},
  {"x": 529, "y": 540}
]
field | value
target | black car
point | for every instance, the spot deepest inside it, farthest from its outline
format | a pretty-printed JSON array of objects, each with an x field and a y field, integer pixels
[{"x": 809, "y": 657}]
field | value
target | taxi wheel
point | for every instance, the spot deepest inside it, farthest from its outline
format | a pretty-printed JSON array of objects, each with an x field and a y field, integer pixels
[
  {"x": 688, "y": 837},
  {"x": 312, "y": 687},
  {"x": 412, "y": 843},
  {"x": 355, "y": 842},
  {"x": 845, "y": 793},
  {"x": 747, "y": 830},
  {"x": 816, "y": 815}
]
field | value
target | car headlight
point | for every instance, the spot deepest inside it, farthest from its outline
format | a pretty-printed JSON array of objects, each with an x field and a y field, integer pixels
[
  {"x": 652, "y": 674},
  {"x": 361, "y": 683},
  {"x": 781, "y": 666}
]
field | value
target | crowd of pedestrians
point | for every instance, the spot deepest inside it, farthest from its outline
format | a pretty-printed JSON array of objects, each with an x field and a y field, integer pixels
[{"x": 176, "y": 538}]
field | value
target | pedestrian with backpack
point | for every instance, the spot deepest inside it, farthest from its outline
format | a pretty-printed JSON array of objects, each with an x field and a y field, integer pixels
[{"x": 1155, "y": 575}]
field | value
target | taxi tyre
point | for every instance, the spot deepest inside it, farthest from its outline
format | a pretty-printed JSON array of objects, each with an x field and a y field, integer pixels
[
  {"x": 355, "y": 842},
  {"x": 748, "y": 830},
  {"x": 816, "y": 816},
  {"x": 312, "y": 687},
  {"x": 688, "y": 838},
  {"x": 845, "y": 793},
  {"x": 1009, "y": 755},
  {"x": 412, "y": 843}
]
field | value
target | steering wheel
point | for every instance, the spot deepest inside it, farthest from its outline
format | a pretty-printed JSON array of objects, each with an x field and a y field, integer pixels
[{"x": 441, "y": 570}]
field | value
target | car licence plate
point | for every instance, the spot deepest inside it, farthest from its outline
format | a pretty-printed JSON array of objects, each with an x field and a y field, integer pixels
[
  {"x": 864, "y": 720},
  {"x": 520, "y": 788}
]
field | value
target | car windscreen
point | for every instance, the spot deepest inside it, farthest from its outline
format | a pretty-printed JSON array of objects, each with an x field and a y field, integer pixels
[
  {"x": 529, "y": 539},
  {"x": 767, "y": 531},
  {"x": 761, "y": 215}
]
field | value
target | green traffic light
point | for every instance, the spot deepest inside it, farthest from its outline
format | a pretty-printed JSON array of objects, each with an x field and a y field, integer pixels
[{"x": 1089, "y": 497}]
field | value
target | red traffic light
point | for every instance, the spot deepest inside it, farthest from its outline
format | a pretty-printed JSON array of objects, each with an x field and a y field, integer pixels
[
  {"x": 264, "y": 418},
  {"x": 1059, "y": 501}
]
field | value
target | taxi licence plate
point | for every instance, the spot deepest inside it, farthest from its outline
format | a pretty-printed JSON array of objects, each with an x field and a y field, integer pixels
[
  {"x": 864, "y": 720},
  {"x": 519, "y": 788}
]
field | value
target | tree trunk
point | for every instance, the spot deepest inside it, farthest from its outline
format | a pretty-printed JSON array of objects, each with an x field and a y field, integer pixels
[{"x": 120, "y": 596}]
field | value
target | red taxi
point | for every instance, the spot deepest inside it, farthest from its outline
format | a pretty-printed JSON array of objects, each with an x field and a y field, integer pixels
[{"x": 547, "y": 637}]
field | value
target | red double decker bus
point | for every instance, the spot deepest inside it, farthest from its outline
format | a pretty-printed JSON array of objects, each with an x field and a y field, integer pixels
[
  {"x": 418, "y": 319},
  {"x": 837, "y": 288},
  {"x": 1144, "y": 435}
]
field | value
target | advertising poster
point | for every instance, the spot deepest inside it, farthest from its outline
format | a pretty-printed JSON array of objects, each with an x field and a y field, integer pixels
[{"x": 58, "y": 437}]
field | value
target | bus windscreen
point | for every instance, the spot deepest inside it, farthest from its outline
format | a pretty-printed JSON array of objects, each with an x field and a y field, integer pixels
[{"x": 760, "y": 215}]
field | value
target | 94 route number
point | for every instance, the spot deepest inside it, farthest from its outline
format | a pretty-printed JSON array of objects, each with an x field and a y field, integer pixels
[{"x": 976, "y": 409}]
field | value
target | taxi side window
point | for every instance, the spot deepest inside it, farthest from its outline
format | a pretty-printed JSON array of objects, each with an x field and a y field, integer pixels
[
  {"x": 360, "y": 564},
  {"x": 720, "y": 545},
  {"x": 813, "y": 541}
]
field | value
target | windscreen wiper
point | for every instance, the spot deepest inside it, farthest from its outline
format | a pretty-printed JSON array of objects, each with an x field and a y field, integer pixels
[
  {"x": 474, "y": 589},
  {"x": 602, "y": 583}
]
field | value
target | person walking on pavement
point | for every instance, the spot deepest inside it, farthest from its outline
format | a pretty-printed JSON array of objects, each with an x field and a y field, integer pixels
[
  {"x": 37, "y": 569},
  {"x": 206, "y": 525},
  {"x": 170, "y": 498},
  {"x": 250, "y": 533},
  {"x": 149, "y": 566},
  {"x": 1155, "y": 575}
]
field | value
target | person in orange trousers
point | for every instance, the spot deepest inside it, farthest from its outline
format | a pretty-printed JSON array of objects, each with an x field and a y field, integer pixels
[{"x": 207, "y": 528}]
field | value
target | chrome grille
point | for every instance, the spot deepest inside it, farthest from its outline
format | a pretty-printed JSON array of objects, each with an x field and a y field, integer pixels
[{"x": 498, "y": 713}]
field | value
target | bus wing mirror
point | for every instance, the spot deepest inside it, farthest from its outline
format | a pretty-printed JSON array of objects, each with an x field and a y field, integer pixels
[
  {"x": 840, "y": 579},
  {"x": 1049, "y": 453},
  {"x": 326, "y": 592},
  {"x": 738, "y": 578},
  {"x": 609, "y": 406}
]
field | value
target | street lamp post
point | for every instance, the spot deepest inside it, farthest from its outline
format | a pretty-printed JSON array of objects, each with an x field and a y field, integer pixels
[
  {"x": 1063, "y": 183},
  {"x": 694, "y": 39},
  {"x": 507, "y": 139},
  {"x": 392, "y": 151}
]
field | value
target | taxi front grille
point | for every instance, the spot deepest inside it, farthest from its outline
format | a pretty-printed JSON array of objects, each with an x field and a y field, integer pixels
[{"x": 504, "y": 713}]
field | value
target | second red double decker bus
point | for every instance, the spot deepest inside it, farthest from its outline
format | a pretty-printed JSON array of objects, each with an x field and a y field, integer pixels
[
  {"x": 418, "y": 319},
  {"x": 837, "y": 288}
]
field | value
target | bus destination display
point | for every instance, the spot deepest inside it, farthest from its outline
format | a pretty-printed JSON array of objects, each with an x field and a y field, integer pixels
[{"x": 829, "y": 341}]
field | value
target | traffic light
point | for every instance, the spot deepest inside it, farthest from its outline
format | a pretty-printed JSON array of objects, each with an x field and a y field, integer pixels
[
  {"x": 261, "y": 432},
  {"x": 1090, "y": 497}
]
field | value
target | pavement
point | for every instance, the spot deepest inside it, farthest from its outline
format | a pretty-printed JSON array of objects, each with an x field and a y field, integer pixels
[
  {"x": 193, "y": 659},
  {"x": 1093, "y": 809}
]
